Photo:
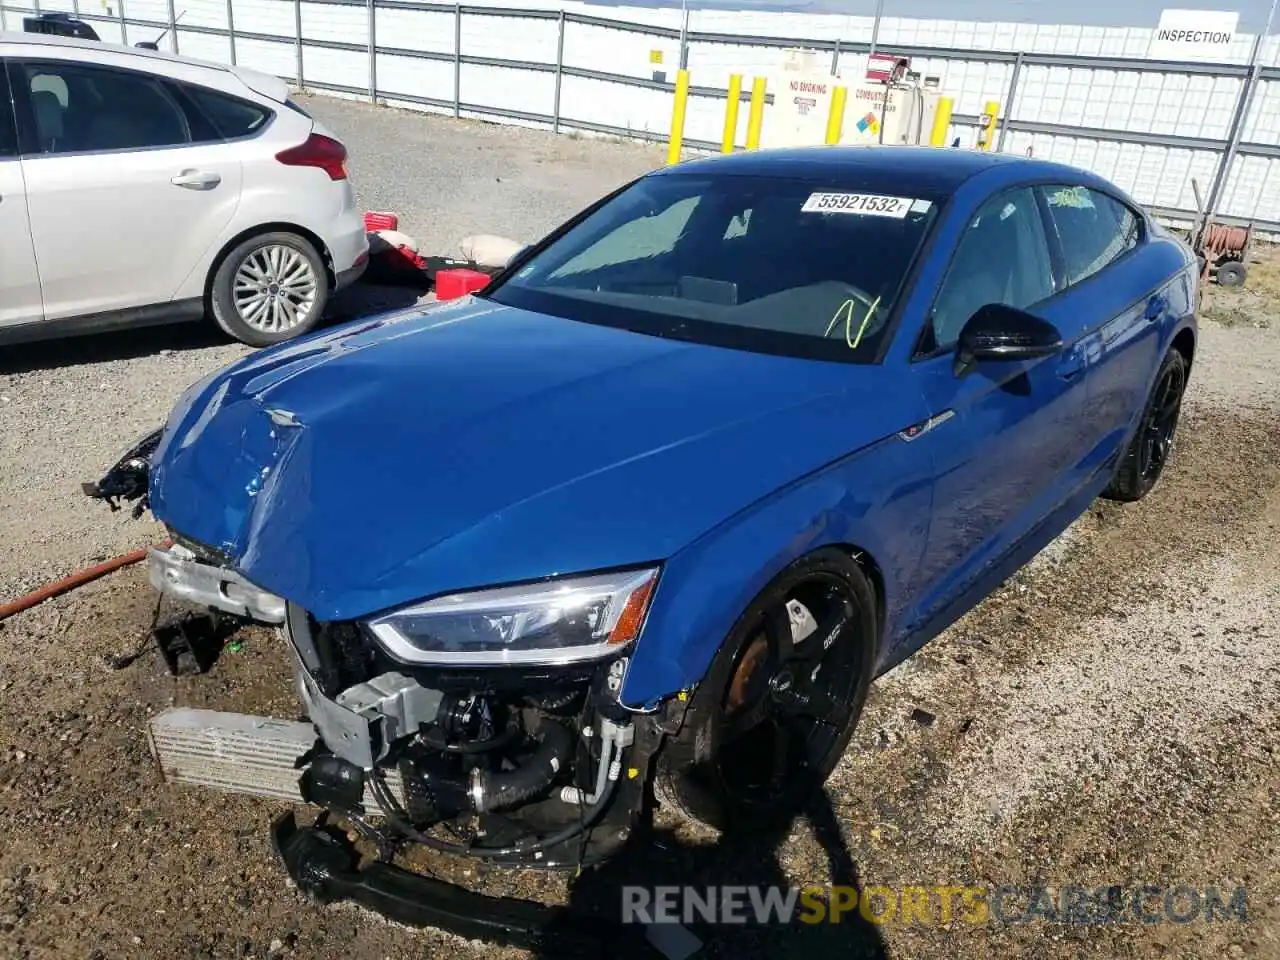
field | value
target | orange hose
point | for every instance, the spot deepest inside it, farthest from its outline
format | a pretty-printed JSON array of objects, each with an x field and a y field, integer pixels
[{"x": 68, "y": 583}]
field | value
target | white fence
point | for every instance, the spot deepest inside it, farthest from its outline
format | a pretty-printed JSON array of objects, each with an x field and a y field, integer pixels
[{"x": 1085, "y": 96}]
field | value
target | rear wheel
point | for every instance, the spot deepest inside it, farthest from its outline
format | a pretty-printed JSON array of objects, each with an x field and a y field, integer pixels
[
  {"x": 1152, "y": 445},
  {"x": 780, "y": 701},
  {"x": 269, "y": 288}
]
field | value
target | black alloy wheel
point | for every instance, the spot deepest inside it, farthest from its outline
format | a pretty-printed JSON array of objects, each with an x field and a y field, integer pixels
[{"x": 778, "y": 705}]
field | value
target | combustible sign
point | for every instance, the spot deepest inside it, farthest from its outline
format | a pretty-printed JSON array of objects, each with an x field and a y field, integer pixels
[{"x": 1193, "y": 35}]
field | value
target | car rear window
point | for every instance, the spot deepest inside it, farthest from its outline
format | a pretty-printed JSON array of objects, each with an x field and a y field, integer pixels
[
  {"x": 809, "y": 268},
  {"x": 231, "y": 117}
]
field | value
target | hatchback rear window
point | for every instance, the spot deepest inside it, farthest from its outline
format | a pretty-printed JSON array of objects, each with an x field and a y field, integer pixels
[{"x": 232, "y": 117}]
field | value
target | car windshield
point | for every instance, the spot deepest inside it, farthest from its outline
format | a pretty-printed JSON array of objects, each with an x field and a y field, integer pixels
[{"x": 799, "y": 267}]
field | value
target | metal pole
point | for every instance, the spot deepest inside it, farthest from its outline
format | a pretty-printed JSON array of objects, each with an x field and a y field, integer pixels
[
  {"x": 124, "y": 27},
  {"x": 555, "y": 109},
  {"x": 457, "y": 59},
  {"x": 1233, "y": 140},
  {"x": 1261, "y": 38},
  {"x": 173, "y": 29},
  {"x": 684, "y": 35},
  {"x": 297, "y": 40},
  {"x": 1008, "y": 102},
  {"x": 231, "y": 32},
  {"x": 835, "y": 59},
  {"x": 373, "y": 52},
  {"x": 875, "y": 27}
]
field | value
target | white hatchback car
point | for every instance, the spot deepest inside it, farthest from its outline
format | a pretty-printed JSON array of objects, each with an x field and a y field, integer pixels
[{"x": 138, "y": 187}]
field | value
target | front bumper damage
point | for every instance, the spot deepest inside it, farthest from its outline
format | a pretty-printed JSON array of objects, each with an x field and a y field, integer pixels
[{"x": 526, "y": 766}]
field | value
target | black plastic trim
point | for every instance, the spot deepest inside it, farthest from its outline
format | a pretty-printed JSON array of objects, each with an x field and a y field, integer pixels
[{"x": 325, "y": 867}]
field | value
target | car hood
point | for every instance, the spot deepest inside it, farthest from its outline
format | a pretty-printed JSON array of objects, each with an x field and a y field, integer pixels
[{"x": 468, "y": 444}]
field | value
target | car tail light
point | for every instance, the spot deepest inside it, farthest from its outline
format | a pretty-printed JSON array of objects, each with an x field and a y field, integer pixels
[{"x": 318, "y": 151}]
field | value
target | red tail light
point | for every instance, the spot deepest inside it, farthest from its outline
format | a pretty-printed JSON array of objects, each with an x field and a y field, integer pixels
[{"x": 318, "y": 151}]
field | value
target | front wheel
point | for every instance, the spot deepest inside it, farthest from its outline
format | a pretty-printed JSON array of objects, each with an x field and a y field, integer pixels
[
  {"x": 1152, "y": 444},
  {"x": 772, "y": 717},
  {"x": 269, "y": 288}
]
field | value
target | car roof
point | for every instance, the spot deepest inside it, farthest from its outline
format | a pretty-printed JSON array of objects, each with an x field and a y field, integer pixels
[
  {"x": 97, "y": 51},
  {"x": 53, "y": 40},
  {"x": 936, "y": 170}
]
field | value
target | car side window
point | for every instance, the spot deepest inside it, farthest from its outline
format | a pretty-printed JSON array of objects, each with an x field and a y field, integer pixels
[
  {"x": 1002, "y": 257},
  {"x": 231, "y": 117},
  {"x": 1094, "y": 229},
  {"x": 87, "y": 109}
]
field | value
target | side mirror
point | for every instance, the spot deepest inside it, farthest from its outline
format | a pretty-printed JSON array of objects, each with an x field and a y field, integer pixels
[{"x": 1000, "y": 332}]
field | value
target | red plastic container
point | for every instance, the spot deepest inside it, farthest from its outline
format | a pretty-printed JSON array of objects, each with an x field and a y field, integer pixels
[
  {"x": 451, "y": 284},
  {"x": 374, "y": 220}
]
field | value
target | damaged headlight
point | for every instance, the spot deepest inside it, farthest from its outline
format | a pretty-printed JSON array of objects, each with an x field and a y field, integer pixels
[{"x": 554, "y": 622}]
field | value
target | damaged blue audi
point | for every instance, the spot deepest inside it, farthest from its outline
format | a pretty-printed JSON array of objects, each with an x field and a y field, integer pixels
[{"x": 646, "y": 516}]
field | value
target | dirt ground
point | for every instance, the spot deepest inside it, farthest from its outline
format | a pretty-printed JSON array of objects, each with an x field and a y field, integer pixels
[{"x": 1109, "y": 717}]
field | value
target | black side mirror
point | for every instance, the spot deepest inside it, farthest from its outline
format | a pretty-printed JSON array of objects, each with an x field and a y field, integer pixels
[{"x": 1000, "y": 332}]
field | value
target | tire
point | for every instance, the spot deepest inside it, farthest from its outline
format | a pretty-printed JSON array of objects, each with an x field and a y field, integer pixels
[
  {"x": 1152, "y": 444},
  {"x": 1231, "y": 274},
  {"x": 249, "y": 301},
  {"x": 707, "y": 771}
]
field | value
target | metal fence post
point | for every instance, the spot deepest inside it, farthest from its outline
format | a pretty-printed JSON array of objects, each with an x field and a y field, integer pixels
[
  {"x": 835, "y": 58},
  {"x": 373, "y": 52},
  {"x": 684, "y": 38},
  {"x": 1008, "y": 110},
  {"x": 297, "y": 40},
  {"x": 457, "y": 59},
  {"x": 124, "y": 27},
  {"x": 555, "y": 108},
  {"x": 231, "y": 32},
  {"x": 1233, "y": 140},
  {"x": 875, "y": 26},
  {"x": 173, "y": 29}
]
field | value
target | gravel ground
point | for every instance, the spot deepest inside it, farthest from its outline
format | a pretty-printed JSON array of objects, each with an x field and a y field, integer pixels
[{"x": 1109, "y": 716}]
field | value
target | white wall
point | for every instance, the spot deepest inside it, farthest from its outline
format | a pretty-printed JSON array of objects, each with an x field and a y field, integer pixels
[{"x": 1170, "y": 103}]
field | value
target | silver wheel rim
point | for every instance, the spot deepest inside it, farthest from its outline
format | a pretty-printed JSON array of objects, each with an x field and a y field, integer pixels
[{"x": 274, "y": 288}]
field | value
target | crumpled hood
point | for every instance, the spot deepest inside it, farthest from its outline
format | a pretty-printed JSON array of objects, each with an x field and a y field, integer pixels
[{"x": 469, "y": 444}]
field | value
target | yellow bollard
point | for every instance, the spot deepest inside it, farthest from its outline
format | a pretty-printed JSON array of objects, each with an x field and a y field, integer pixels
[
  {"x": 835, "y": 119},
  {"x": 941, "y": 122},
  {"x": 677, "y": 117},
  {"x": 987, "y": 135},
  {"x": 755, "y": 119},
  {"x": 731, "y": 114}
]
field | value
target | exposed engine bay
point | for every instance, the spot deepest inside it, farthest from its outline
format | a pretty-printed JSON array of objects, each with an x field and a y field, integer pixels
[{"x": 534, "y": 766}]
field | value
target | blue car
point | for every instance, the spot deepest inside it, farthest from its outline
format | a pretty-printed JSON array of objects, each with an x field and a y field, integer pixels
[{"x": 655, "y": 507}]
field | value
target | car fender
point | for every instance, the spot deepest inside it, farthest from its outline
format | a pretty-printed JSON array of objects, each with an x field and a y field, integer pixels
[{"x": 875, "y": 503}]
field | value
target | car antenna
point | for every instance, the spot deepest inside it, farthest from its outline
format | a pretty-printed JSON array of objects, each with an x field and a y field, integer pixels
[{"x": 155, "y": 44}]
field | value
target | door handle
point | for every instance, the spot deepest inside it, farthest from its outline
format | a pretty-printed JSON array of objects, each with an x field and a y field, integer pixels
[
  {"x": 196, "y": 180},
  {"x": 1071, "y": 365},
  {"x": 1155, "y": 307}
]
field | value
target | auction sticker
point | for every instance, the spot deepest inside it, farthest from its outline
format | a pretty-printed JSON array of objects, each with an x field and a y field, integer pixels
[{"x": 866, "y": 204}]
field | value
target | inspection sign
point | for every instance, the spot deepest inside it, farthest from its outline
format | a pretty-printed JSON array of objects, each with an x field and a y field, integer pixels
[{"x": 1194, "y": 35}]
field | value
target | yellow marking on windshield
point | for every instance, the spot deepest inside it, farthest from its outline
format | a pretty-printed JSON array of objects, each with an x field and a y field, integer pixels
[{"x": 845, "y": 310}]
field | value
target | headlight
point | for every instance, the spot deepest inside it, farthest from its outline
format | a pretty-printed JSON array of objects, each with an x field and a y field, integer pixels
[{"x": 558, "y": 621}]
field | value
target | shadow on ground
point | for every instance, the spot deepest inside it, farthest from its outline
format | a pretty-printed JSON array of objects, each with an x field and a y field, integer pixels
[{"x": 655, "y": 857}]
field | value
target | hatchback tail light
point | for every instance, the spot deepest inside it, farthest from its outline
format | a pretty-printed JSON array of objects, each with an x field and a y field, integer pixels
[{"x": 318, "y": 151}]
